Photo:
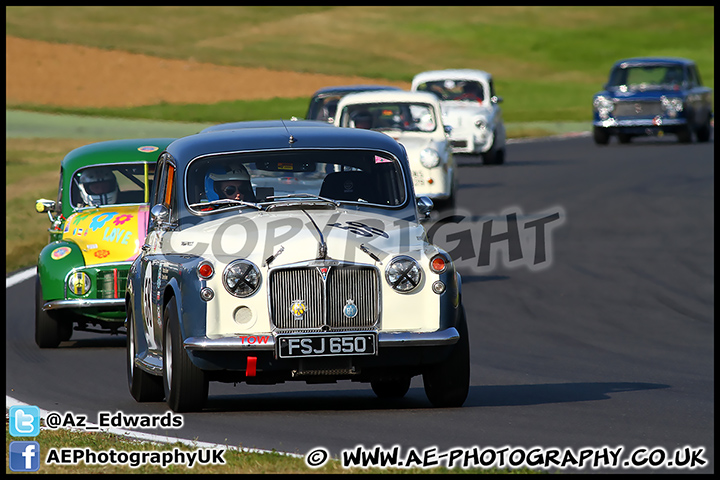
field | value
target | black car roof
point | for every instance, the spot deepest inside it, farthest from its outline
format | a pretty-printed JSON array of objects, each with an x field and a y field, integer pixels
[
  {"x": 286, "y": 135},
  {"x": 353, "y": 88}
]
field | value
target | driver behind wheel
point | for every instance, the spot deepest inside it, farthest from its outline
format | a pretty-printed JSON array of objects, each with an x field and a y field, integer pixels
[
  {"x": 98, "y": 186},
  {"x": 232, "y": 183}
]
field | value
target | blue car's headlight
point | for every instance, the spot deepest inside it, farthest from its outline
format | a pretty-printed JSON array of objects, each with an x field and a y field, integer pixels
[
  {"x": 604, "y": 106},
  {"x": 672, "y": 105}
]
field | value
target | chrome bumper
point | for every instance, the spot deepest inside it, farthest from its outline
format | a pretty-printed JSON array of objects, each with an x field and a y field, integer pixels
[
  {"x": 267, "y": 342},
  {"x": 85, "y": 303}
]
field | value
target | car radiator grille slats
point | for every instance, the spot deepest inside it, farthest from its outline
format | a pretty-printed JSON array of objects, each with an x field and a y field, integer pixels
[
  {"x": 324, "y": 301},
  {"x": 638, "y": 109},
  {"x": 112, "y": 283}
]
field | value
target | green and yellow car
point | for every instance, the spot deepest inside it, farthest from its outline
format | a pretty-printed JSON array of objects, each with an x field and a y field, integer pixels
[{"x": 97, "y": 227}]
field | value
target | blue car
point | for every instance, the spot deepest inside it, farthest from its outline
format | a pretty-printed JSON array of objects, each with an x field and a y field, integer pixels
[{"x": 653, "y": 96}]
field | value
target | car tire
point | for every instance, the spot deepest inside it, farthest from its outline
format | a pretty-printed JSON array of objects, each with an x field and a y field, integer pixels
[
  {"x": 144, "y": 387},
  {"x": 494, "y": 156},
  {"x": 703, "y": 132},
  {"x": 601, "y": 136},
  {"x": 447, "y": 383},
  {"x": 395, "y": 388},
  {"x": 49, "y": 330},
  {"x": 185, "y": 385}
]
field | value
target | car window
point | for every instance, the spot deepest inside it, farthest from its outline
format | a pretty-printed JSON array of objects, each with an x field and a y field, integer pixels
[
  {"x": 406, "y": 117},
  {"x": 111, "y": 184},
  {"x": 458, "y": 90},
  {"x": 324, "y": 108},
  {"x": 224, "y": 181},
  {"x": 647, "y": 76}
]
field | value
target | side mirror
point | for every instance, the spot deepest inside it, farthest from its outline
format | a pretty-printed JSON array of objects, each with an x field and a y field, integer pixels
[
  {"x": 44, "y": 205},
  {"x": 496, "y": 99},
  {"x": 424, "y": 206},
  {"x": 159, "y": 214}
]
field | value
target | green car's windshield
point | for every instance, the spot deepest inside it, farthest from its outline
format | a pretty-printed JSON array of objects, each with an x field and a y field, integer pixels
[{"x": 98, "y": 185}]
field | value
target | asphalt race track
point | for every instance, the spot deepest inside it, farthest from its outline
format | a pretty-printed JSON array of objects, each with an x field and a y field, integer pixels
[{"x": 610, "y": 344}]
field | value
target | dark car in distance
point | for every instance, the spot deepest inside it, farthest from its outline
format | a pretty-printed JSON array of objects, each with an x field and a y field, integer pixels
[
  {"x": 653, "y": 96},
  {"x": 324, "y": 102}
]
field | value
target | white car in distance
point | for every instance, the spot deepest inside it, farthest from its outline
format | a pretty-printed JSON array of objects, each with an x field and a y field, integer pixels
[
  {"x": 413, "y": 119},
  {"x": 471, "y": 108}
]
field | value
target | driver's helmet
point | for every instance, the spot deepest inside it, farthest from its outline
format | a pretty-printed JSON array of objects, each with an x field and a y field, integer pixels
[
  {"x": 362, "y": 119},
  {"x": 218, "y": 174},
  {"x": 98, "y": 186}
]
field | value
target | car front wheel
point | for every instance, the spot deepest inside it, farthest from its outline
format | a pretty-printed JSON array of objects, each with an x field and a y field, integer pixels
[
  {"x": 601, "y": 136},
  {"x": 395, "y": 388},
  {"x": 49, "y": 330},
  {"x": 144, "y": 387},
  {"x": 447, "y": 383},
  {"x": 186, "y": 388}
]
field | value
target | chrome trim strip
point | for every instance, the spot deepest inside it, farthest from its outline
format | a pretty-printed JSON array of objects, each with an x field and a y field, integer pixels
[
  {"x": 84, "y": 303},
  {"x": 448, "y": 336},
  {"x": 236, "y": 342},
  {"x": 640, "y": 123}
]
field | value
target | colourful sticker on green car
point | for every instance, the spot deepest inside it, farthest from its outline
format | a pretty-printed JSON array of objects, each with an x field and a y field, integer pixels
[{"x": 60, "y": 252}]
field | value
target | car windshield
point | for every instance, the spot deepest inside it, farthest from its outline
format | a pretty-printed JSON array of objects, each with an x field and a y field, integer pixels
[
  {"x": 646, "y": 76},
  {"x": 111, "y": 184},
  {"x": 456, "y": 90},
  {"x": 406, "y": 117},
  {"x": 318, "y": 178},
  {"x": 323, "y": 108}
]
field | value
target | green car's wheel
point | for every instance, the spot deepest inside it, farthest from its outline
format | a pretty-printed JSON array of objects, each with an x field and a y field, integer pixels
[
  {"x": 49, "y": 330},
  {"x": 186, "y": 387},
  {"x": 144, "y": 386}
]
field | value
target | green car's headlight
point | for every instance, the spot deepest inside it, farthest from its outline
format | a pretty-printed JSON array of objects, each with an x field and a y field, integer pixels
[{"x": 79, "y": 283}]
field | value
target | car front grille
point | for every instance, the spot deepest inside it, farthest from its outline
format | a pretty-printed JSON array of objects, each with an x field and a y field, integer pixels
[
  {"x": 111, "y": 283},
  {"x": 302, "y": 300},
  {"x": 638, "y": 109}
]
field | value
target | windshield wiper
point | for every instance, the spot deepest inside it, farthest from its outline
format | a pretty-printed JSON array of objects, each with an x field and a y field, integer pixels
[
  {"x": 302, "y": 196},
  {"x": 226, "y": 202}
]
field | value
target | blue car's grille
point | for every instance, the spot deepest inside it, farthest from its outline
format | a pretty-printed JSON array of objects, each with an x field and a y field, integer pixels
[{"x": 638, "y": 109}]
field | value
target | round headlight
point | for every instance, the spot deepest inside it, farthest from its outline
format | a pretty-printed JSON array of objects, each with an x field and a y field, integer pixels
[
  {"x": 241, "y": 278},
  {"x": 672, "y": 105},
  {"x": 429, "y": 158},
  {"x": 403, "y": 274},
  {"x": 79, "y": 283},
  {"x": 603, "y": 105},
  {"x": 480, "y": 123}
]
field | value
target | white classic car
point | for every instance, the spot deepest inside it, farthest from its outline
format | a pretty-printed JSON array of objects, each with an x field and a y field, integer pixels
[
  {"x": 414, "y": 119},
  {"x": 291, "y": 251},
  {"x": 471, "y": 108}
]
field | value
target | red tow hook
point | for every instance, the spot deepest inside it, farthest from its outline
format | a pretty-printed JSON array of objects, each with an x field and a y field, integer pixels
[{"x": 251, "y": 367}]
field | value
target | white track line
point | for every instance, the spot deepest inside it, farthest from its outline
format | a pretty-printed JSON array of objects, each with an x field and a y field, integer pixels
[{"x": 147, "y": 437}]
